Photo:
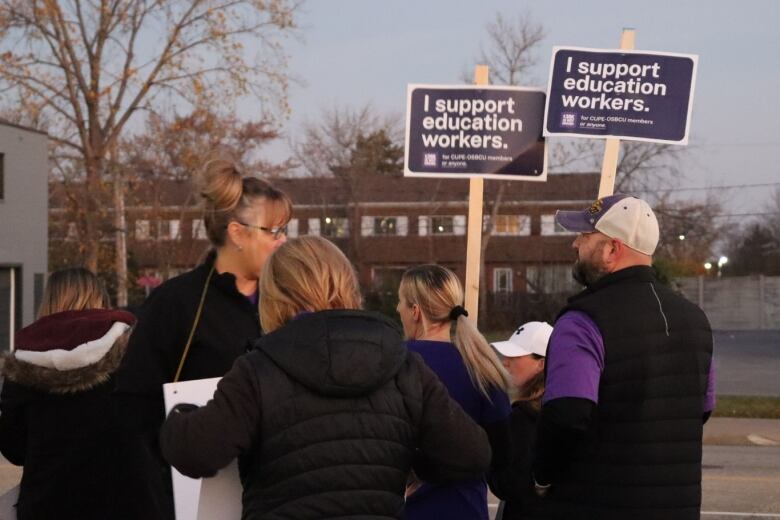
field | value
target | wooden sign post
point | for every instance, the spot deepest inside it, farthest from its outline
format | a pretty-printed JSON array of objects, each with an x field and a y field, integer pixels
[
  {"x": 612, "y": 147},
  {"x": 474, "y": 237}
]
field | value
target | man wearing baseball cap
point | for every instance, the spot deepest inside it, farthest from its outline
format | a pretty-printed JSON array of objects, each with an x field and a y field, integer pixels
[{"x": 629, "y": 384}]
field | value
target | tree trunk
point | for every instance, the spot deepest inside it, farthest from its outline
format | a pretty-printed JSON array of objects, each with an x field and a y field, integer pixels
[
  {"x": 120, "y": 233},
  {"x": 91, "y": 210}
]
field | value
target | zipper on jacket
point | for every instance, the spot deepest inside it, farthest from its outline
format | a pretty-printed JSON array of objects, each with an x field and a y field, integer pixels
[{"x": 660, "y": 308}]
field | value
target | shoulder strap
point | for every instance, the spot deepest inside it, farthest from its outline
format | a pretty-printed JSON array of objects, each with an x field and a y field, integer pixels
[{"x": 194, "y": 326}]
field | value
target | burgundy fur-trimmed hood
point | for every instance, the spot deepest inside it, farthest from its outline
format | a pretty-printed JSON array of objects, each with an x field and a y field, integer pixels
[{"x": 69, "y": 351}]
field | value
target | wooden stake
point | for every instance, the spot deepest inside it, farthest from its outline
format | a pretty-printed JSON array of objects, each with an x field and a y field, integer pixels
[
  {"x": 612, "y": 147},
  {"x": 474, "y": 238}
]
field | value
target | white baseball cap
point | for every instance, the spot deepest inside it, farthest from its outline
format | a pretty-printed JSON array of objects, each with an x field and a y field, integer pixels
[
  {"x": 529, "y": 338},
  {"x": 619, "y": 216}
]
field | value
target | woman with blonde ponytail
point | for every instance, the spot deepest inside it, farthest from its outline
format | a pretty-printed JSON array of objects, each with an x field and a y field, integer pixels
[
  {"x": 195, "y": 325},
  {"x": 437, "y": 327}
]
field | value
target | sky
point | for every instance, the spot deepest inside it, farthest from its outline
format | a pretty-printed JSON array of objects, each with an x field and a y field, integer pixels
[{"x": 354, "y": 52}]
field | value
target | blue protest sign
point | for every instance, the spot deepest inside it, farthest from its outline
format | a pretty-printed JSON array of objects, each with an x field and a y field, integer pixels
[
  {"x": 463, "y": 131},
  {"x": 633, "y": 95}
]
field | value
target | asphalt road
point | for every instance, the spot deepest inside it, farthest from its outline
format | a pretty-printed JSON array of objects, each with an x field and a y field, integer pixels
[
  {"x": 739, "y": 483},
  {"x": 747, "y": 362}
]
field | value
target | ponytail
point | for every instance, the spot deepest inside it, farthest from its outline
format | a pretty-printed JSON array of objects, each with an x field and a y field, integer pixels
[
  {"x": 439, "y": 294},
  {"x": 481, "y": 362}
]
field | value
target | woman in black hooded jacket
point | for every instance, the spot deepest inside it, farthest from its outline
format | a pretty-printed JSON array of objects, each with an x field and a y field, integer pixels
[{"x": 329, "y": 412}]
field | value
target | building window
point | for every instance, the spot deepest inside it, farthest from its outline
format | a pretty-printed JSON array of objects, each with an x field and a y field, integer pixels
[
  {"x": 142, "y": 230},
  {"x": 384, "y": 226},
  {"x": 502, "y": 280},
  {"x": 199, "y": 229},
  {"x": 514, "y": 225},
  {"x": 334, "y": 227},
  {"x": 551, "y": 227},
  {"x": 292, "y": 228},
  {"x": 167, "y": 229},
  {"x": 550, "y": 279},
  {"x": 386, "y": 279},
  {"x": 442, "y": 225},
  {"x": 72, "y": 232},
  {"x": 2, "y": 176},
  {"x": 314, "y": 226}
]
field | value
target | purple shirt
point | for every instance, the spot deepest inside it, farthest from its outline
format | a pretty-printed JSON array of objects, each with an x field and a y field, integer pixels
[
  {"x": 575, "y": 369},
  {"x": 467, "y": 499}
]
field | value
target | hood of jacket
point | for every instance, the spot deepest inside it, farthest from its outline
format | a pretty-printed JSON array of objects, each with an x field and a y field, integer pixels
[
  {"x": 69, "y": 351},
  {"x": 339, "y": 353}
]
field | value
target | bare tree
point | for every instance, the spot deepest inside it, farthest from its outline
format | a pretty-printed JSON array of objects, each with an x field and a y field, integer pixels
[
  {"x": 511, "y": 49},
  {"x": 511, "y": 56},
  {"x": 353, "y": 146},
  {"x": 83, "y": 70}
]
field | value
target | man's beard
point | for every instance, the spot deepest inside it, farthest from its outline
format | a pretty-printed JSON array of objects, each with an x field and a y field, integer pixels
[{"x": 586, "y": 273}]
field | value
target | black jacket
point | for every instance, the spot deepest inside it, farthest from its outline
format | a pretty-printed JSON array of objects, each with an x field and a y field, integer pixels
[
  {"x": 513, "y": 483},
  {"x": 58, "y": 424},
  {"x": 228, "y": 325},
  {"x": 638, "y": 454},
  {"x": 328, "y": 415}
]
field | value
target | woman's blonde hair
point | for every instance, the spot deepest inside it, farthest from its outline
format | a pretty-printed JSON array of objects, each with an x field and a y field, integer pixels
[
  {"x": 73, "y": 289},
  {"x": 437, "y": 291},
  {"x": 306, "y": 274},
  {"x": 229, "y": 195},
  {"x": 531, "y": 393}
]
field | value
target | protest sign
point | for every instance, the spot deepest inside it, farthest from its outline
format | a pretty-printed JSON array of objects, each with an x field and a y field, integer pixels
[
  {"x": 637, "y": 95},
  {"x": 466, "y": 131},
  {"x": 215, "y": 498}
]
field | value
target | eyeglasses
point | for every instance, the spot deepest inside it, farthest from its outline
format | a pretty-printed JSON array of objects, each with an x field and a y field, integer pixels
[{"x": 277, "y": 232}]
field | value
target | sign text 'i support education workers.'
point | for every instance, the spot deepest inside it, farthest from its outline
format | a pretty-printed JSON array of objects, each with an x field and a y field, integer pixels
[
  {"x": 634, "y": 95},
  {"x": 463, "y": 131}
]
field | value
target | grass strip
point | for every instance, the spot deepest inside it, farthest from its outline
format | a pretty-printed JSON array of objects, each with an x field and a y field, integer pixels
[{"x": 747, "y": 406}]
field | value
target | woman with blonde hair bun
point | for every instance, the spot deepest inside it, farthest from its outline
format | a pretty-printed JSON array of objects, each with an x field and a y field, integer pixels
[
  {"x": 195, "y": 325},
  {"x": 329, "y": 412},
  {"x": 435, "y": 323}
]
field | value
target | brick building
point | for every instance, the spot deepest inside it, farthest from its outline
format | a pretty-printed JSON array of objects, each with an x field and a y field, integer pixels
[{"x": 385, "y": 226}]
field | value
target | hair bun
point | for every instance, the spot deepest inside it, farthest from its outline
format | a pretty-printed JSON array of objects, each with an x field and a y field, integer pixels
[{"x": 222, "y": 185}]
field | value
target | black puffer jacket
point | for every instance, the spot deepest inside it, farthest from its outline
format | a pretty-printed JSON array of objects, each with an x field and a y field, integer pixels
[
  {"x": 328, "y": 415},
  {"x": 57, "y": 420}
]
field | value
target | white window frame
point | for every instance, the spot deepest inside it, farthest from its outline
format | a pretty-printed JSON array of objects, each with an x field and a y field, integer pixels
[
  {"x": 523, "y": 225},
  {"x": 292, "y": 228},
  {"x": 142, "y": 229},
  {"x": 551, "y": 228},
  {"x": 458, "y": 225},
  {"x": 503, "y": 271},
  {"x": 334, "y": 221},
  {"x": 314, "y": 226},
  {"x": 71, "y": 232},
  {"x": 173, "y": 229},
  {"x": 368, "y": 225},
  {"x": 199, "y": 229}
]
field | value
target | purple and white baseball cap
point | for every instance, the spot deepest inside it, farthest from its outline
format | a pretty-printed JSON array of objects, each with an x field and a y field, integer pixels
[{"x": 622, "y": 217}]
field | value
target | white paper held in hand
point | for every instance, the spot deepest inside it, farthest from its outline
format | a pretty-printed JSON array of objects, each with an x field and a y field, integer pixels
[{"x": 216, "y": 498}]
